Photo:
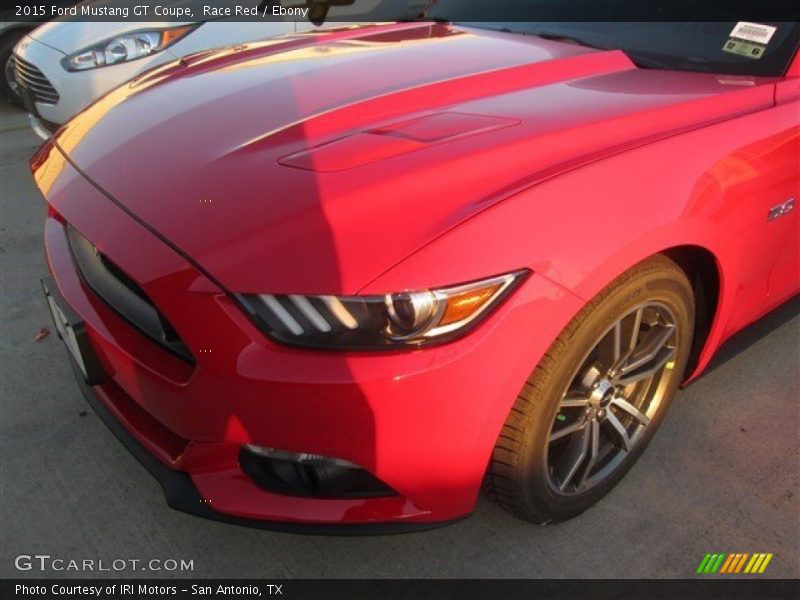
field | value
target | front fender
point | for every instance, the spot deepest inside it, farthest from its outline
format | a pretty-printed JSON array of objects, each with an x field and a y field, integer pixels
[{"x": 708, "y": 188}]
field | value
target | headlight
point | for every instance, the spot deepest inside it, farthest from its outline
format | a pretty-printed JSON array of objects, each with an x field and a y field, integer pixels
[
  {"x": 130, "y": 46},
  {"x": 406, "y": 319}
]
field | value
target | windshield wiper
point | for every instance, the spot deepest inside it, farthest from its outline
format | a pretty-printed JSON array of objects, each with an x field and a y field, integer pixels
[
  {"x": 669, "y": 63},
  {"x": 649, "y": 63},
  {"x": 560, "y": 37},
  {"x": 556, "y": 37},
  {"x": 423, "y": 19}
]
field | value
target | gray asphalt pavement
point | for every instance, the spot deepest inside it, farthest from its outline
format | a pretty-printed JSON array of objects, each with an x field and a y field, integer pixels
[{"x": 722, "y": 475}]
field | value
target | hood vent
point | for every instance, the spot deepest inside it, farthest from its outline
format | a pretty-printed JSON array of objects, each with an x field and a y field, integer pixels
[{"x": 393, "y": 140}]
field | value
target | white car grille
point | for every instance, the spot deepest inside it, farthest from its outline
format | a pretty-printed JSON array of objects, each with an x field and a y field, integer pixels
[{"x": 31, "y": 78}]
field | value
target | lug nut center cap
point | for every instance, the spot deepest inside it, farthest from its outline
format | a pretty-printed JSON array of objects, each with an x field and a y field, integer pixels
[{"x": 602, "y": 393}]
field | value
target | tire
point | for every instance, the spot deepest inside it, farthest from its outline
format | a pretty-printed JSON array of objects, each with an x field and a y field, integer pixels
[
  {"x": 7, "y": 43},
  {"x": 538, "y": 475}
]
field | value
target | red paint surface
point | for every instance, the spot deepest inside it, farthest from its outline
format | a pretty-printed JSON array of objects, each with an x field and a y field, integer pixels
[{"x": 335, "y": 164}]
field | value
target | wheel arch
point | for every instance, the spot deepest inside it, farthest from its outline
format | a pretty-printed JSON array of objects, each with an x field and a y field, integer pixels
[
  {"x": 704, "y": 272},
  {"x": 704, "y": 269}
]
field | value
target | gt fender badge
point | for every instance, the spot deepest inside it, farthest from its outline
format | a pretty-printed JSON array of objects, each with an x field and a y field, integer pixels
[{"x": 781, "y": 210}]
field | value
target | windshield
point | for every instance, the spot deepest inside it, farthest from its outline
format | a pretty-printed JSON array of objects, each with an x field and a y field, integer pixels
[{"x": 708, "y": 40}]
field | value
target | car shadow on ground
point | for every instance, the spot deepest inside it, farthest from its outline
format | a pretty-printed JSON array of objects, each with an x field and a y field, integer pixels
[{"x": 755, "y": 332}]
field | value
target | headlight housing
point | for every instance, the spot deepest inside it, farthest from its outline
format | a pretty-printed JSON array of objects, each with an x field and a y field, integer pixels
[
  {"x": 126, "y": 47},
  {"x": 406, "y": 319}
]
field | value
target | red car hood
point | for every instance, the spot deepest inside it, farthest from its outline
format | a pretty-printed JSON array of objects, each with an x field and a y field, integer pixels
[{"x": 314, "y": 163}]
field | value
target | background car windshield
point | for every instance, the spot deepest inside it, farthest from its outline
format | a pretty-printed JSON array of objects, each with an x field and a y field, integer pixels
[{"x": 695, "y": 39}]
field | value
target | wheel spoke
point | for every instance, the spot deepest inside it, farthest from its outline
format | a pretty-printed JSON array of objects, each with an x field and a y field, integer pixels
[
  {"x": 624, "y": 357},
  {"x": 620, "y": 430},
  {"x": 654, "y": 341},
  {"x": 574, "y": 401},
  {"x": 630, "y": 409},
  {"x": 617, "y": 341},
  {"x": 637, "y": 325},
  {"x": 595, "y": 451},
  {"x": 569, "y": 429},
  {"x": 663, "y": 356},
  {"x": 577, "y": 458}
]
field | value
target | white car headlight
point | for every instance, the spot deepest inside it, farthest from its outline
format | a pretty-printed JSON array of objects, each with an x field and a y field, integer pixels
[
  {"x": 123, "y": 48},
  {"x": 406, "y": 319}
]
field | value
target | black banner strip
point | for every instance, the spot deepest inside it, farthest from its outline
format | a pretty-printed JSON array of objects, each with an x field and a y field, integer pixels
[
  {"x": 733, "y": 588},
  {"x": 334, "y": 11}
]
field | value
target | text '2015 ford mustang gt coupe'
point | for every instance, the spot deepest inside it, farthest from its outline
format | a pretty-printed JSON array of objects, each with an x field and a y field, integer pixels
[{"x": 346, "y": 279}]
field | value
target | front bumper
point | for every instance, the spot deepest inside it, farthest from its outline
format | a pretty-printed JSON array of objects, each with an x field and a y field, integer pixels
[
  {"x": 181, "y": 494},
  {"x": 42, "y": 128},
  {"x": 423, "y": 422}
]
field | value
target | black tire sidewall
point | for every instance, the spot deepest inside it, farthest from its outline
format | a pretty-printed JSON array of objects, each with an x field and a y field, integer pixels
[{"x": 669, "y": 287}]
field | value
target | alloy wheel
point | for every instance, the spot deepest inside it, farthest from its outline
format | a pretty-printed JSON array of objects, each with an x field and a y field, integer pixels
[{"x": 611, "y": 399}]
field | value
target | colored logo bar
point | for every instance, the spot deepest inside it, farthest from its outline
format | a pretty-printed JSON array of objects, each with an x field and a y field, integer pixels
[{"x": 742, "y": 562}]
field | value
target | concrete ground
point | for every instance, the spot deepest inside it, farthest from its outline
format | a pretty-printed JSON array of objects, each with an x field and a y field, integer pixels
[{"x": 720, "y": 476}]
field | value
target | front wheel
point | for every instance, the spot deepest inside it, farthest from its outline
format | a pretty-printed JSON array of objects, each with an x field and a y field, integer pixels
[{"x": 597, "y": 397}]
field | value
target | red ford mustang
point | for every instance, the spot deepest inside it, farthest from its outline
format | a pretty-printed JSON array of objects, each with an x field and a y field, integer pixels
[{"x": 344, "y": 279}]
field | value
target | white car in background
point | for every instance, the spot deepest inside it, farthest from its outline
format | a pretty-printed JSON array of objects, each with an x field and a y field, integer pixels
[
  {"x": 64, "y": 66},
  {"x": 11, "y": 32}
]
